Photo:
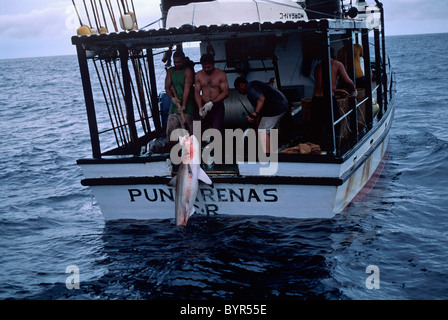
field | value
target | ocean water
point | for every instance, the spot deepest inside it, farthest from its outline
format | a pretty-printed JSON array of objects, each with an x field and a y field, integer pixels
[{"x": 48, "y": 221}]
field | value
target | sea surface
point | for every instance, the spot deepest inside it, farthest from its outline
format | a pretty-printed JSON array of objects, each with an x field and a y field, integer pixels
[{"x": 49, "y": 222}]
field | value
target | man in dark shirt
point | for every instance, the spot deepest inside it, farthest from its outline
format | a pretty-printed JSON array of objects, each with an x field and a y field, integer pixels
[{"x": 269, "y": 103}]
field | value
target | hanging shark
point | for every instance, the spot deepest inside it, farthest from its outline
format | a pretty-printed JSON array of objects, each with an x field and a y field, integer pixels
[{"x": 187, "y": 179}]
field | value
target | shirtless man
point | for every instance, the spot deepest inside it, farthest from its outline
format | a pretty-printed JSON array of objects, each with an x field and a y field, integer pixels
[
  {"x": 320, "y": 115},
  {"x": 337, "y": 70},
  {"x": 211, "y": 89}
]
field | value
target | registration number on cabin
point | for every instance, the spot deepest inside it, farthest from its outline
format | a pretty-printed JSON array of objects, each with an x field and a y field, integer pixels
[{"x": 291, "y": 15}]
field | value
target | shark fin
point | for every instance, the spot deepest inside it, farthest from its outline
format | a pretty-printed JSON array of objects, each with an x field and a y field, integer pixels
[
  {"x": 204, "y": 177},
  {"x": 192, "y": 211},
  {"x": 173, "y": 182}
]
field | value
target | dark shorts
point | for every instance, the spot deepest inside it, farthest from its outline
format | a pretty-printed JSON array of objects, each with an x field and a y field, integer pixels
[{"x": 215, "y": 118}]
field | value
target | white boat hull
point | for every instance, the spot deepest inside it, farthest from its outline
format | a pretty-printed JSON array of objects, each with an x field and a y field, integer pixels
[{"x": 140, "y": 190}]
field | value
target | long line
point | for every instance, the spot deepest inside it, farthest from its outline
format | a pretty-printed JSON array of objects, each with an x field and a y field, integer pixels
[
  {"x": 94, "y": 16},
  {"x": 138, "y": 99},
  {"x": 140, "y": 84},
  {"x": 105, "y": 99},
  {"x": 77, "y": 13},
  {"x": 122, "y": 94},
  {"x": 112, "y": 101},
  {"x": 145, "y": 77},
  {"x": 111, "y": 14},
  {"x": 87, "y": 12},
  {"x": 135, "y": 13},
  {"x": 104, "y": 16},
  {"x": 117, "y": 99}
]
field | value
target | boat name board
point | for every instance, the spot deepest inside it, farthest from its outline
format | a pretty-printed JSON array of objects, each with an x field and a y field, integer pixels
[{"x": 208, "y": 197}]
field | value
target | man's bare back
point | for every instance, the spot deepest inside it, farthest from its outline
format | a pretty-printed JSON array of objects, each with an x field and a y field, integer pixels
[{"x": 337, "y": 70}]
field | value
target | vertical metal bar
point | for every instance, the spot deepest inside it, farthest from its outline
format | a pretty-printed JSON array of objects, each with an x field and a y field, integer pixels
[
  {"x": 367, "y": 72},
  {"x": 88, "y": 97},
  {"x": 154, "y": 97},
  {"x": 277, "y": 73},
  {"x": 379, "y": 83},
  {"x": 383, "y": 36},
  {"x": 130, "y": 118},
  {"x": 327, "y": 83},
  {"x": 348, "y": 43}
]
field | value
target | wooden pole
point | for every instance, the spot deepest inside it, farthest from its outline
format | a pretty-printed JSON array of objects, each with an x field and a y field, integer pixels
[
  {"x": 124, "y": 57},
  {"x": 90, "y": 105},
  {"x": 120, "y": 110},
  {"x": 113, "y": 103},
  {"x": 144, "y": 76},
  {"x": 111, "y": 14},
  {"x": 154, "y": 97},
  {"x": 117, "y": 101},
  {"x": 135, "y": 13},
  {"x": 87, "y": 13},
  {"x": 104, "y": 16},
  {"x": 95, "y": 16},
  {"x": 106, "y": 101},
  {"x": 179, "y": 106},
  {"x": 77, "y": 13}
]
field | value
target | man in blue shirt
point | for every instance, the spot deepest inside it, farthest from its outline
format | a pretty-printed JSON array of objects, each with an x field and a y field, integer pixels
[{"x": 269, "y": 103}]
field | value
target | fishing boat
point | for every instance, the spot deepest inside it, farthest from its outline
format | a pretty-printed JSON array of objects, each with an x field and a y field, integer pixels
[{"x": 277, "y": 41}]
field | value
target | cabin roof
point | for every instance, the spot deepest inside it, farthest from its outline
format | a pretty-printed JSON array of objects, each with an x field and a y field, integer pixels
[
  {"x": 158, "y": 38},
  {"x": 234, "y": 11}
]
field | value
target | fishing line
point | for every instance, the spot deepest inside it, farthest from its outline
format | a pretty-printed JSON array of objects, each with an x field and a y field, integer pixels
[
  {"x": 87, "y": 13},
  {"x": 118, "y": 100},
  {"x": 135, "y": 14},
  {"x": 105, "y": 99},
  {"x": 77, "y": 13},
  {"x": 144, "y": 76},
  {"x": 104, "y": 16},
  {"x": 158, "y": 20},
  {"x": 121, "y": 15},
  {"x": 111, "y": 14},
  {"x": 140, "y": 99},
  {"x": 94, "y": 16},
  {"x": 117, "y": 76},
  {"x": 113, "y": 102}
]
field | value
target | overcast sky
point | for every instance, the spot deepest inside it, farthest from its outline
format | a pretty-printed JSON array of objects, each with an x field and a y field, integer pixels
[{"x": 31, "y": 28}]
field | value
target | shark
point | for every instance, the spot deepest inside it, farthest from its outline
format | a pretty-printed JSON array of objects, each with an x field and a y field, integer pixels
[{"x": 187, "y": 179}]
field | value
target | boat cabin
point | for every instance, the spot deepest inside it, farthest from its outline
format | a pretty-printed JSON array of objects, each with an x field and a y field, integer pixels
[{"x": 277, "y": 42}]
